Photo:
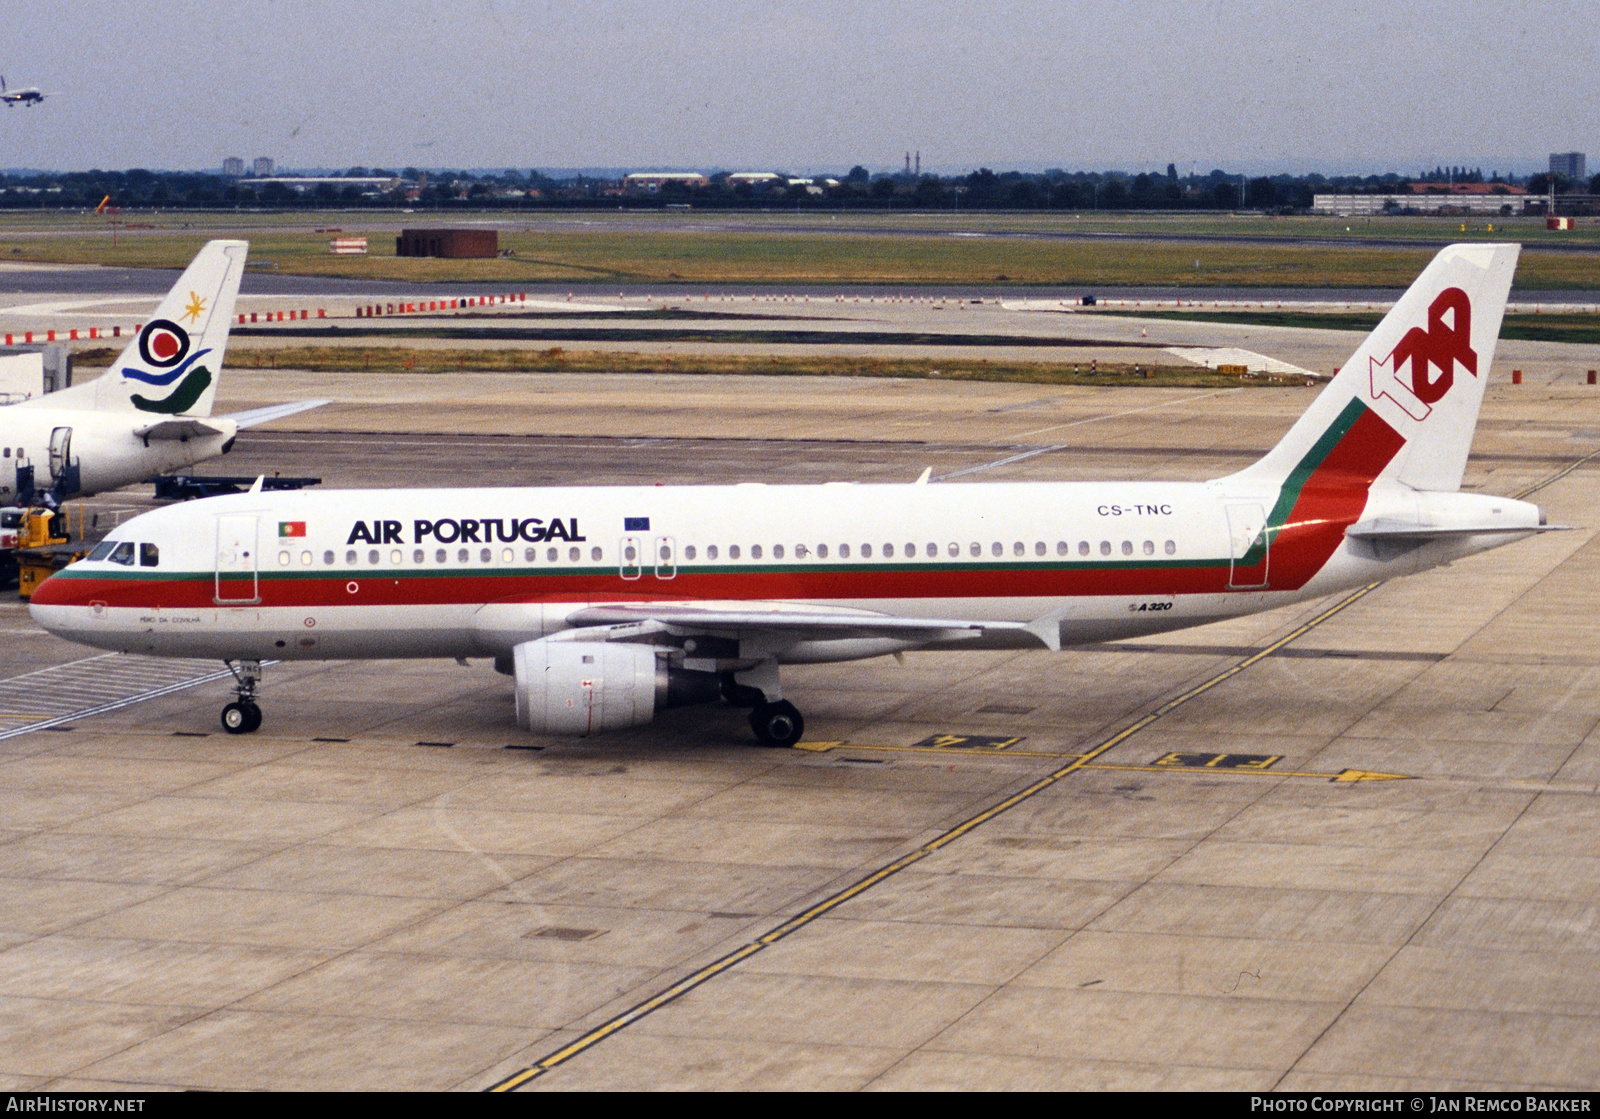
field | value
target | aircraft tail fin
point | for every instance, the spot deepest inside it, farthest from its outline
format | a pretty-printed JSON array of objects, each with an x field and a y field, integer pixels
[
  {"x": 1405, "y": 405},
  {"x": 172, "y": 367}
]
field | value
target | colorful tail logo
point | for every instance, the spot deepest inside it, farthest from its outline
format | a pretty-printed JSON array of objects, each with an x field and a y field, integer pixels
[
  {"x": 164, "y": 345},
  {"x": 1442, "y": 345}
]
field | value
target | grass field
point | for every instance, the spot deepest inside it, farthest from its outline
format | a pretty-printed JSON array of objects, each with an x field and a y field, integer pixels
[
  {"x": 1527, "y": 328},
  {"x": 402, "y": 359},
  {"x": 602, "y": 249}
]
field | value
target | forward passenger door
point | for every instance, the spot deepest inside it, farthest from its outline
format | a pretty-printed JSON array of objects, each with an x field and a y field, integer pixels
[{"x": 238, "y": 579}]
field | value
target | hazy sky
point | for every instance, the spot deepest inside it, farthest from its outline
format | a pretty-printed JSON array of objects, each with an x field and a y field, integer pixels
[{"x": 803, "y": 84}]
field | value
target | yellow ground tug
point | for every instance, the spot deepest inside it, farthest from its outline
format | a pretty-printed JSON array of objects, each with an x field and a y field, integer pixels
[{"x": 45, "y": 544}]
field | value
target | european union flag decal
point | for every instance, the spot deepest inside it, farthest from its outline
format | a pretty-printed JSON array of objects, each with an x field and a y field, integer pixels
[{"x": 635, "y": 524}]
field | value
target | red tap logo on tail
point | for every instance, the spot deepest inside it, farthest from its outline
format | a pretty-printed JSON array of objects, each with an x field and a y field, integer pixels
[{"x": 1442, "y": 346}]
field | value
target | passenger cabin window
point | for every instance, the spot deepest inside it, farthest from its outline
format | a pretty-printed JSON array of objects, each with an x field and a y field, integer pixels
[
  {"x": 101, "y": 550},
  {"x": 350, "y": 556},
  {"x": 755, "y": 551},
  {"x": 777, "y": 551},
  {"x": 123, "y": 554},
  {"x": 1172, "y": 548},
  {"x": 149, "y": 555},
  {"x": 711, "y": 552},
  {"x": 866, "y": 551},
  {"x": 733, "y": 551},
  {"x": 1083, "y": 547},
  {"x": 688, "y": 552},
  {"x": 327, "y": 557}
]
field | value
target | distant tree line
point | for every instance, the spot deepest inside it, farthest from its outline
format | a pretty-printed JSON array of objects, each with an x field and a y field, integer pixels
[{"x": 858, "y": 189}]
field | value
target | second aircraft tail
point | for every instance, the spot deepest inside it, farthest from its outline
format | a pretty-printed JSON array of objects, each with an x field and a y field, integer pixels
[{"x": 172, "y": 367}]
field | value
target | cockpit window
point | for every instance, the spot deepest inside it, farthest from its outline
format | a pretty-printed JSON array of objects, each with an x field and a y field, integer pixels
[
  {"x": 11, "y": 520},
  {"x": 123, "y": 554},
  {"x": 102, "y": 549},
  {"x": 149, "y": 555}
]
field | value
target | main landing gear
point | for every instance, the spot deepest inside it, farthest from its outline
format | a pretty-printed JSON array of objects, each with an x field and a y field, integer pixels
[
  {"x": 243, "y": 716},
  {"x": 777, "y": 724}
]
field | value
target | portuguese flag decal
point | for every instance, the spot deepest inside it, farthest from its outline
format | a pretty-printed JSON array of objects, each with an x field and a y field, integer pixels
[{"x": 286, "y": 529}]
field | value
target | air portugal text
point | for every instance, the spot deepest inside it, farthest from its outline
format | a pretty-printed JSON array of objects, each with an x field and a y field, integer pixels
[{"x": 468, "y": 530}]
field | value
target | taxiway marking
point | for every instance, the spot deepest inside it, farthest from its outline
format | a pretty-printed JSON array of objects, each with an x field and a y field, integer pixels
[{"x": 683, "y": 986}]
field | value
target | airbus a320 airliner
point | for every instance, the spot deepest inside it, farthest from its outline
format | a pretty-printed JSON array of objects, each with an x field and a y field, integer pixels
[{"x": 610, "y": 604}]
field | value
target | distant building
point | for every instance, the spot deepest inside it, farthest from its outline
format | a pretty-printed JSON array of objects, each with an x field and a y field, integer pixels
[
  {"x": 262, "y": 168},
  {"x": 233, "y": 167},
  {"x": 754, "y": 178},
  {"x": 1569, "y": 165},
  {"x": 456, "y": 243},
  {"x": 366, "y": 184},
  {"x": 1444, "y": 201},
  {"x": 651, "y": 182}
]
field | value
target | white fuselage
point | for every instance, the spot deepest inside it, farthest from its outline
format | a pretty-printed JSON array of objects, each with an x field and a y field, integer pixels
[
  {"x": 475, "y": 572},
  {"x": 102, "y": 444}
]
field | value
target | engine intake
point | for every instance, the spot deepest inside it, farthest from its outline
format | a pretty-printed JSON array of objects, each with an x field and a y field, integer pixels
[{"x": 581, "y": 687}]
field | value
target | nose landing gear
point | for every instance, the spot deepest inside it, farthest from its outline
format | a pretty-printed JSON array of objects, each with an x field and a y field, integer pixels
[{"x": 243, "y": 716}]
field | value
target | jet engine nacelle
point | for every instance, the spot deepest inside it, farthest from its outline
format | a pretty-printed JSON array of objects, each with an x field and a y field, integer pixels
[{"x": 581, "y": 687}]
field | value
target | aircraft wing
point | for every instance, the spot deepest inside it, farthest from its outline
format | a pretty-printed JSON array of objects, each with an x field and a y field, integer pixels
[
  {"x": 187, "y": 428},
  {"x": 257, "y": 416},
  {"x": 801, "y": 622}
]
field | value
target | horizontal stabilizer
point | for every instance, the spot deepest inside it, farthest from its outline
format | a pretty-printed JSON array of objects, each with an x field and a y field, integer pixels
[
  {"x": 1406, "y": 530},
  {"x": 257, "y": 416},
  {"x": 180, "y": 429}
]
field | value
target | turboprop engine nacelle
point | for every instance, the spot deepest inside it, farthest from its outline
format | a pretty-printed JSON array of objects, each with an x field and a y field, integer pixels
[{"x": 582, "y": 687}]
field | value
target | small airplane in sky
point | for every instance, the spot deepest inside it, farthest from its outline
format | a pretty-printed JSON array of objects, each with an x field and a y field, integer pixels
[
  {"x": 29, "y": 96},
  {"x": 150, "y": 413},
  {"x": 610, "y": 604}
]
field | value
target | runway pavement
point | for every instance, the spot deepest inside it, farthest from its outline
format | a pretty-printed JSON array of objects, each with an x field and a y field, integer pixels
[{"x": 1367, "y": 859}]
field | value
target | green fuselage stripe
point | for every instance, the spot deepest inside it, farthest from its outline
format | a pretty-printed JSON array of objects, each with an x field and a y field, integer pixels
[{"x": 1289, "y": 492}]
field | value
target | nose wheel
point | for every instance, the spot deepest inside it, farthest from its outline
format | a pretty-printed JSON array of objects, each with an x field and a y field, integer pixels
[
  {"x": 777, "y": 724},
  {"x": 242, "y": 716}
]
